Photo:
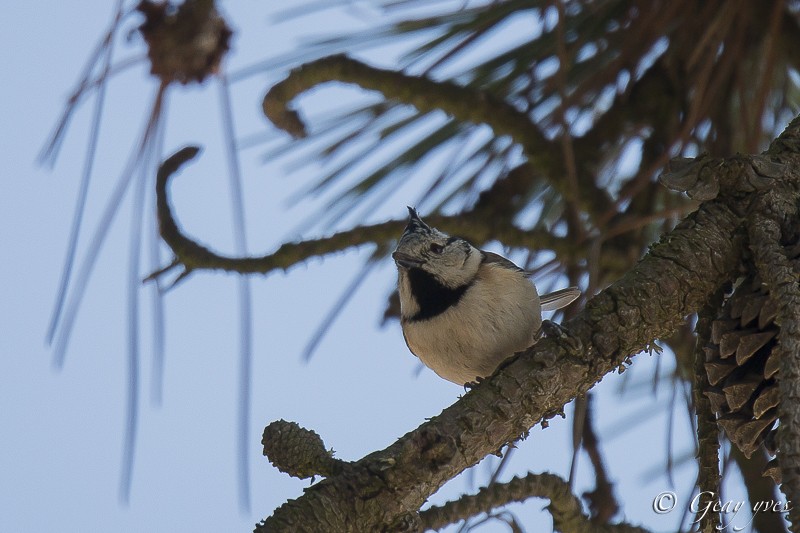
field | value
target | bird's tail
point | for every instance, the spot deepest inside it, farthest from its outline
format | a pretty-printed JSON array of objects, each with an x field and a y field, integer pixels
[{"x": 558, "y": 299}]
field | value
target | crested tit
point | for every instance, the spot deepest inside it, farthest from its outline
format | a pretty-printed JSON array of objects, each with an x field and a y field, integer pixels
[{"x": 463, "y": 310}]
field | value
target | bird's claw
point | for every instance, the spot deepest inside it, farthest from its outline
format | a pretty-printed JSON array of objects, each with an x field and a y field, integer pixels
[
  {"x": 469, "y": 385},
  {"x": 562, "y": 335}
]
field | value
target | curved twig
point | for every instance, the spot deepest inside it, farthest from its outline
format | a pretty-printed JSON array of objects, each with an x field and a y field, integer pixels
[
  {"x": 566, "y": 508},
  {"x": 193, "y": 256},
  {"x": 465, "y": 104}
]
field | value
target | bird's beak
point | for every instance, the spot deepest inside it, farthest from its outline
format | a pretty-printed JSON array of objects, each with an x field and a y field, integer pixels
[{"x": 405, "y": 260}]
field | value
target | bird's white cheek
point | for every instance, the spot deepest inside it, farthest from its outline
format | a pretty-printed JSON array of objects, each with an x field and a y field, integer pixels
[{"x": 408, "y": 304}]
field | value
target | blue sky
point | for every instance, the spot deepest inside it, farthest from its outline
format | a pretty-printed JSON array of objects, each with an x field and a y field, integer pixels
[{"x": 63, "y": 430}]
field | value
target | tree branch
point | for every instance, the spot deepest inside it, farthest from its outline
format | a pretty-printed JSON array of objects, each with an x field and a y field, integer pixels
[
  {"x": 677, "y": 277},
  {"x": 760, "y": 488},
  {"x": 708, "y": 476},
  {"x": 602, "y": 502},
  {"x": 566, "y": 509},
  {"x": 465, "y": 104},
  {"x": 193, "y": 256},
  {"x": 781, "y": 279}
]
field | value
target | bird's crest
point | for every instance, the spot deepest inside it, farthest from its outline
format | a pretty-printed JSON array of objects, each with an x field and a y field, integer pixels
[{"x": 415, "y": 223}]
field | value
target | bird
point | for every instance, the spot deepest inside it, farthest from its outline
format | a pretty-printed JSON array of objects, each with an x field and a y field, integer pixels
[{"x": 464, "y": 311}]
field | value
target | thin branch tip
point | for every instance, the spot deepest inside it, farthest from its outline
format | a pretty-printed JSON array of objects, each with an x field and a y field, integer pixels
[{"x": 161, "y": 271}]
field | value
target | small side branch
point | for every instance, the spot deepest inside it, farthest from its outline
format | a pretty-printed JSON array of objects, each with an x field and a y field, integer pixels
[
  {"x": 463, "y": 103},
  {"x": 565, "y": 508},
  {"x": 602, "y": 502},
  {"x": 193, "y": 256},
  {"x": 708, "y": 477}
]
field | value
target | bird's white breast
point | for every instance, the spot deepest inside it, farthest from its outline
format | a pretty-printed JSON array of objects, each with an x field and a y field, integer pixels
[{"x": 498, "y": 315}]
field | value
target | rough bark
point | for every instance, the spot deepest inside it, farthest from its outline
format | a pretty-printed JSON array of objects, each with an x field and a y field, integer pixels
[
  {"x": 384, "y": 490},
  {"x": 677, "y": 277},
  {"x": 387, "y": 487}
]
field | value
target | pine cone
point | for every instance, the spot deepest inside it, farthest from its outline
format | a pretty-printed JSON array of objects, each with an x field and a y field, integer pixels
[{"x": 742, "y": 366}]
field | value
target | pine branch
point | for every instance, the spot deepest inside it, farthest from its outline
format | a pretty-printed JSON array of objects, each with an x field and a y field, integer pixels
[
  {"x": 760, "y": 488},
  {"x": 781, "y": 279},
  {"x": 708, "y": 476},
  {"x": 465, "y": 104},
  {"x": 566, "y": 509},
  {"x": 190, "y": 256},
  {"x": 677, "y": 277},
  {"x": 602, "y": 502}
]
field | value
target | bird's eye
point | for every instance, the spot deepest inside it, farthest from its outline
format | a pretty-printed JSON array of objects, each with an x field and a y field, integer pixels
[{"x": 436, "y": 248}]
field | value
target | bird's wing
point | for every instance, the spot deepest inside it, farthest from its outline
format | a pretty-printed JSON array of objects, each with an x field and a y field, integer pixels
[
  {"x": 491, "y": 257},
  {"x": 558, "y": 299},
  {"x": 551, "y": 301}
]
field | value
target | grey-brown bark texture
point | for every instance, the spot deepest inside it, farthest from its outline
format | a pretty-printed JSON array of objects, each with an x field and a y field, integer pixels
[
  {"x": 679, "y": 275},
  {"x": 565, "y": 508},
  {"x": 708, "y": 477},
  {"x": 779, "y": 275},
  {"x": 676, "y": 278}
]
